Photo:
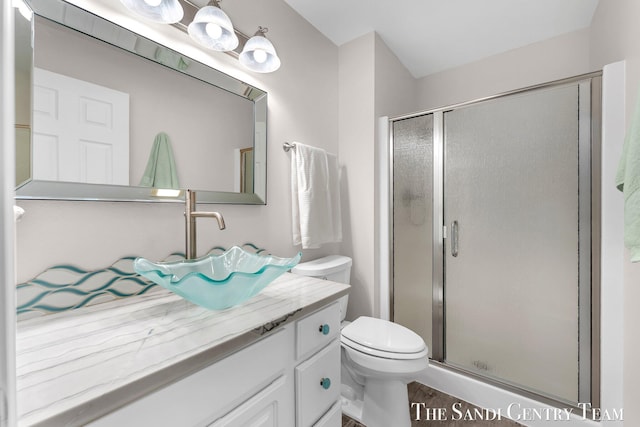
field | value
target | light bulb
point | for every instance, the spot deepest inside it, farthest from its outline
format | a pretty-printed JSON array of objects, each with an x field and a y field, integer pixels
[
  {"x": 213, "y": 30},
  {"x": 153, "y": 3},
  {"x": 259, "y": 56}
]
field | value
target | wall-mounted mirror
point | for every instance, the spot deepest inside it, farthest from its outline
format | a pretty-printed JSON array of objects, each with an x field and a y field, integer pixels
[{"x": 106, "y": 114}]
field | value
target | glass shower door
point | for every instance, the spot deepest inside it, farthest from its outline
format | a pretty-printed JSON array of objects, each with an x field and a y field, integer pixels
[
  {"x": 513, "y": 242},
  {"x": 413, "y": 223}
]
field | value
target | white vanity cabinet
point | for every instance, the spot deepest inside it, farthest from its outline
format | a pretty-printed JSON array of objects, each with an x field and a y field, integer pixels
[
  {"x": 289, "y": 378},
  {"x": 210, "y": 393},
  {"x": 317, "y": 374}
]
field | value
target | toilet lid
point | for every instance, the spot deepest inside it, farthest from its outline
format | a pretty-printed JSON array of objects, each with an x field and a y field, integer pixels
[{"x": 383, "y": 335}]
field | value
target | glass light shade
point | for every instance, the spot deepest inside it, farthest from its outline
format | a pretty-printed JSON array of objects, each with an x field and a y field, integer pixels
[
  {"x": 166, "y": 11},
  {"x": 259, "y": 55},
  {"x": 212, "y": 28}
]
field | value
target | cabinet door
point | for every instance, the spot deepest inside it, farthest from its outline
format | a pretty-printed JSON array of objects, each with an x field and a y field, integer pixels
[
  {"x": 211, "y": 392},
  {"x": 333, "y": 417},
  {"x": 265, "y": 409},
  {"x": 317, "y": 384}
]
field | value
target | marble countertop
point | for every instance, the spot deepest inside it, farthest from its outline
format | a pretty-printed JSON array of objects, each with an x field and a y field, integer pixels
[{"x": 78, "y": 366}]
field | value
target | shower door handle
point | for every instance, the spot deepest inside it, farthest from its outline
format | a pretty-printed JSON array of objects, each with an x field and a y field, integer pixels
[{"x": 454, "y": 238}]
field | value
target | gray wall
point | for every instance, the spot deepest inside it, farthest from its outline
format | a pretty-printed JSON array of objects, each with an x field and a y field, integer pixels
[
  {"x": 356, "y": 136},
  {"x": 372, "y": 83},
  {"x": 563, "y": 56}
]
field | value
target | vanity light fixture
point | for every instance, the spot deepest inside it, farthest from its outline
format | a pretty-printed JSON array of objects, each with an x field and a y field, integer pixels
[
  {"x": 162, "y": 11},
  {"x": 259, "y": 54},
  {"x": 212, "y": 28}
]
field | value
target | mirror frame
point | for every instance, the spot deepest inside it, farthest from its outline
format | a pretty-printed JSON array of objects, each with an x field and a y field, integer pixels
[{"x": 60, "y": 190}]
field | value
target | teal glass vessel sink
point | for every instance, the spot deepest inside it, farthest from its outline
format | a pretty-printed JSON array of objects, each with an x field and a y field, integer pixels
[{"x": 217, "y": 282}]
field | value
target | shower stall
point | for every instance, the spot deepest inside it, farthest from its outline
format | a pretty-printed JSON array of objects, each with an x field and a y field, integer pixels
[{"x": 495, "y": 237}]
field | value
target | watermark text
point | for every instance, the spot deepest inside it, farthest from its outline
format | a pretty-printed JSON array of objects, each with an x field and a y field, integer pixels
[{"x": 458, "y": 411}]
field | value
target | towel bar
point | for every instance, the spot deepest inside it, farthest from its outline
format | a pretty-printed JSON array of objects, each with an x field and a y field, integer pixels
[{"x": 288, "y": 146}]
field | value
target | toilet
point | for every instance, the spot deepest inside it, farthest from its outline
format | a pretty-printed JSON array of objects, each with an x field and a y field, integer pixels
[{"x": 379, "y": 358}]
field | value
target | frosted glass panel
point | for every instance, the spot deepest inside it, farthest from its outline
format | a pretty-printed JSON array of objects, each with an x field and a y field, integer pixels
[
  {"x": 511, "y": 294},
  {"x": 412, "y": 223}
]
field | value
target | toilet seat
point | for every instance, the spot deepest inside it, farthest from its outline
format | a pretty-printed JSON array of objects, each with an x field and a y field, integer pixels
[
  {"x": 381, "y": 338},
  {"x": 382, "y": 354}
]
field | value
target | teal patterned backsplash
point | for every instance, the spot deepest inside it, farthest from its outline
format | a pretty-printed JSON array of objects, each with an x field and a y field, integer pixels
[{"x": 66, "y": 287}]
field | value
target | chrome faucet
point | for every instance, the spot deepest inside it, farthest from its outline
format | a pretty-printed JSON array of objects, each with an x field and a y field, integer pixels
[{"x": 190, "y": 215}]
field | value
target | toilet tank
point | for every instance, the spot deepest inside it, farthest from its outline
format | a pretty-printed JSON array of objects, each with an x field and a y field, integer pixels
[{"x": 336, "y": 268}]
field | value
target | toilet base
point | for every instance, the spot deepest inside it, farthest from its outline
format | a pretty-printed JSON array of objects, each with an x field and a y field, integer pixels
[
  {"x": 351, "y": 405},
  {"x": 386, "y": 403}
]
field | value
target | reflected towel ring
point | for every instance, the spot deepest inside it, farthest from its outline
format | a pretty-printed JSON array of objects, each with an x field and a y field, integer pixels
[{"x": 288, "y": 146}]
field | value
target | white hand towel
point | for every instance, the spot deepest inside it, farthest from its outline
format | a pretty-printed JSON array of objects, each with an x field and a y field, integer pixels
[{"x": 315, "y": 197}]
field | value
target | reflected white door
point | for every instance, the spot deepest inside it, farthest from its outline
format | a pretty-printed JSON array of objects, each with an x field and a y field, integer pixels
[{"x": 80, "y": 131}]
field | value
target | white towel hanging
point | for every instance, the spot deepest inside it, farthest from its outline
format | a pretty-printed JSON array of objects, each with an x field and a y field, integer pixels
[{"x": 315, "y": 197}]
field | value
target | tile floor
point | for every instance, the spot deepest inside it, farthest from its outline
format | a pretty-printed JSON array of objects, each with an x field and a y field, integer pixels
[{"x": 435, "y": 399}]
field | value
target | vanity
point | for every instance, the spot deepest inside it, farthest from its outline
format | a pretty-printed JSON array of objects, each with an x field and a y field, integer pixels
[{"x": 156, "y": 359}]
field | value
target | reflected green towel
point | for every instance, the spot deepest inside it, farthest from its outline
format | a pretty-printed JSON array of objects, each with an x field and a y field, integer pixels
[
  {"x": 161, "y": 169},
  {"x": 628, "y": 181}
]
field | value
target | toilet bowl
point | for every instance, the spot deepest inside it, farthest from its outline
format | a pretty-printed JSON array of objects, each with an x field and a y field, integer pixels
[{"x": 379, "y": 358}]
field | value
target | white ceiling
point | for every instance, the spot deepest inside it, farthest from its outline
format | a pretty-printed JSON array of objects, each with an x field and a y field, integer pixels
[{"x": 434, "y": 35}]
